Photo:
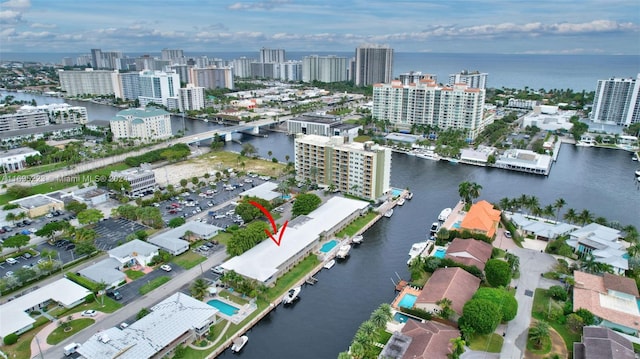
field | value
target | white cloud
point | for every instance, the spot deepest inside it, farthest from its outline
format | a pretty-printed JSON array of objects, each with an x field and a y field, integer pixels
[
  {"x": 37, "y": 25},
  {"x": 20, "y": 4},
  {"x": 10, "y": 16},
  {"x": 260, "y": 5}
]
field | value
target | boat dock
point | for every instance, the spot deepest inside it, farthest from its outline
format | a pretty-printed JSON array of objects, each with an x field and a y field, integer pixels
[{"x": 311, "y": 280}]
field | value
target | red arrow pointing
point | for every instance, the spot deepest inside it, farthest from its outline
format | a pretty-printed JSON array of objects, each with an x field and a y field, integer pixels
[{"x": 273, "y": 224}]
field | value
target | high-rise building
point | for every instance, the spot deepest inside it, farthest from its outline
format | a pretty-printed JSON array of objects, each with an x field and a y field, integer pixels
[
  {"x": 426, "y": 103},
  {"x": 359, "y": 169},
  {"x": 96, "y": 59},
  {"x": 83, "y": 60},
  {"x": 87, "y": 82},
  {"x": 272, "y": 55},
  {"x": 324, "y": 68},
  {"x": 126, "y": 85},
  {"x": 23, "y": 119},
  {"x": 475, "y": 79},
  {"x": 107, "y": 60},
  {"x": 412, "y": 77},
  {"x": 183, "y": 71},
  {"x": 175, "y": 56},
  {"x": 288, "y": 71},
  {"x": 242, "y": 67},
  {"x": 144, "y": 124},
  {"x": 159, "y": 87},
  {"x": 67, "y": 61},
  {"x": 211, "y": 77},
  {"x": 191, "y": 98},
  {"x": 617, "y": 100},
  {"x": 374, "y": 64}
]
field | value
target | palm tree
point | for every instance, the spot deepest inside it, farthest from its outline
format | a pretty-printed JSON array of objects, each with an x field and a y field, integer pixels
[
  {"x": 380, "y": 317},
  {"x": 538, "y": 333},
  {"x": 457, "y": 347},
  {"x": 368, "y": 328},
  {"x": 532, "y": 203},
  {"x": 199, "y": 288},
  {"x": 571, "y": 215},
  {"x": 344, "y": 355},
  {"x": 11, "y": 217},
  {"x": 548, "y": 211},
  {"x": 505, "y": 204},
  {"x": 585, "y": 217},
  {"x": 445, "y": 308},
  {"x": 286, "y": 158},
  {"x": 558, "y": 205},
  {"x": 357, "y": 350},
  {"x": 362, "y": 338},
  {"x": 522, "y": 201},
  {"x": 269, "y": 154},
  {"x": 474, "y": 190}
]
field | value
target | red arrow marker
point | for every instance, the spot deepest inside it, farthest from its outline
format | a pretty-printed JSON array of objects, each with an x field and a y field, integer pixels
[{"x": 273, "y": 224}]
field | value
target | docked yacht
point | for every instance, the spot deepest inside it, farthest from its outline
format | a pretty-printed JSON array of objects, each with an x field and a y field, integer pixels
[
  {"x": 416, "y": 250},
  {"x": 292, "y": 295},
  {"x": 435, "y": 226},
  {"x": 343, "y": 251},
  {"x": 330, "y": 264},
  {"x": 429, "y": 155},
  {"x": 410, "y": 195},
  {"x": 388, "y": 213},
  {"x": 401, "y": 202},
  {"x": 444, "y": 214},
  {"x": 357, "y": 239},
  {"x": 239, "y": 343}
]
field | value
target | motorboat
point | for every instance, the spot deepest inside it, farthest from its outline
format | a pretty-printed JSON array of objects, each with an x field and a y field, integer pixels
[
  {"x": 388, "y": 213},
  {"x": 435, "y": 226},
  {"x": 416, "y": 250},
  {"x": 343, "y": 251},
  {"x": 292, "y": 295},
  {"x": 638, "y": 173},
  {"x": 410, "y": 195},
  {"x": 239, "y": 343},
  {"x": 444, "y": 214},
  {"x": 428, "y": 155},
  {"x": 401, "y": 202},
  {"x": 329, "y": 264},
  {"x": 357, "y": 239}
]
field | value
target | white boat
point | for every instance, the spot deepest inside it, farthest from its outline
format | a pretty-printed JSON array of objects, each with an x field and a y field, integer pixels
[
  {"x": 388, "y": 213},
  {"x": 239, "y": 343},
  {"x": 585, "y": 144},
  {"x": 428, "y": 155},
  {"x": 292, "y": 295},
  {"x": 357, "y": 239},
  {"x": 401, "y": 202},
  {"x": 638, "y": 173},
  {"x": 410, "y": 195},
  {"x": 435, "y": 226},
  {"x": 343, "y": 251},
  {"x": 444, "y": 214},
  {"x": 329, "y": 264},
  {"x": 416, "y": 250}
]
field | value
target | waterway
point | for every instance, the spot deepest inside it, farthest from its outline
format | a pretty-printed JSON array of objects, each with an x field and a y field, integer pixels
[{"x": 323, "y": 322}]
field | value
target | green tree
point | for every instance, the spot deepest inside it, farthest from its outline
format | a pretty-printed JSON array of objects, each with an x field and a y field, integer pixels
[
  {"x": 539, "y": 333},
  {"x": 90, "y": 216},
  {"x": 249, "y": 212},
  {"x": 16, "y": 241},
  {"x": 184, "y": 182},
  {"x": 558, "y": 205},
  {"x": 457, "y": 347},
  {"x": 199, "y": 288},
  {"x": 142, "y": 313},
  {"x": 558, "y": 292},
  {"x": 506, "y": 301},
  {"x": 248, "y": 150},
  {"x": 176, "y": 222},
  {"x": 75, "y": 207},
  {"x": 468, "y": 192},
  {"x": 380, "y": 317},
  {"x": 498, "y": 273},
  {"x": 445, "y": 311},
  {"x": 19, "y": 191},
  {"x": 575, "y": 323},
  {"x": 482, "y": 315},
  {"x": 305, "y": 203}
]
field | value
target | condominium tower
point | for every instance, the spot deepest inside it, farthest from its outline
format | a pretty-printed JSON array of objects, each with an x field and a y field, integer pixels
[
  {"x": 145, "y": 124},
  {"x": 191, "y": 98},
  {"x": 474, "y": 79},
  {"x": 324, "y": 68},
  {"x": 426, "y": 103},
  {"x": 617, "y": 100},
  {"x": 358, "y": 169},
  {"x": 374, "y": 64},
  {"x": 88, "y": 82},
  {"x": 272, "y": 55},
  {"x": 160, "y": 88}
]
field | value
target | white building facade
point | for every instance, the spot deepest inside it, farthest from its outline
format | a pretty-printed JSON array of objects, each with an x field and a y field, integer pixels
[
  {"x": 475, "y": 79},
  {"x": 87, "y": 82},
  {"x": 191, "y": 98},
  {"x": 160, "y": 88},
  {"x": 145, "y": 124},
  {"x": 617, "y": 101},
  {"x": 212, "y": 77},
  {"x": 16, "y": 159},
  {"x": 324, "y": 68},
  {"x": 374, "y": 64}
]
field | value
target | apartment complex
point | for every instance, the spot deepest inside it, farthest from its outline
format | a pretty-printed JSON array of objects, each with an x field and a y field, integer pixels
[
  {"x": 160, "y": 88},
  {"x": 374, "y": 64},
  {"x": 426, "y": 103},
  {"x": 126, "y": 85},
  {"x": 272, "y": 55},
  {"x": 191, "y": 98},
  {"x": 474, "y": 79},
  {"x": 413, "y": 77},
  {"x": 212, "y": 77},
  {"x": 359, "y": 169},
  {"x": 145, "y": 124},
  {"x": 62, "y": 113},
  {"x": 23, "y": 119},
  {"x": 617, "y": 101},
  {"x": 141, "y": 179},
  {"x": 89, "y": 81},
  {"x": 324, "y": 68}
]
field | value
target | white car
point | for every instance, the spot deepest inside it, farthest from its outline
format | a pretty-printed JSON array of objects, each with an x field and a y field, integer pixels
[
  {"x": 89, "y": 313},
  {"x": 507, "y": 234},
  {"x": 11, "y": 261},
  {"x": 166, "y": 267}
]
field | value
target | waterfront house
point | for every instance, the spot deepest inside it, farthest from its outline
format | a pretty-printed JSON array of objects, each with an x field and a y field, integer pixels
[
  {"x": 454, "y": 283},
  {"x": 135, "y": 252},
  {"x": 524, "y": 161},
  {"x": 470, "y": 252},
  {"x": 598, "y": 342},
  {"x": 428, "y": 340},
  {"x": 603, "y": 243},
  {"x": 540, "y": 228},
  {"x": 482, "y": 218},
  {"x": 176, "y": 320},
  {"x": 611, "y": 298}
]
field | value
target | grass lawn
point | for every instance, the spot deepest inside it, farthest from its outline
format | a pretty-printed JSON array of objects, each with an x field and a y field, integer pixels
[
  {"x": 539, "y": 311},
  {"x": 76, "y": 325},
  {"x": 362, "y": 138},
  {"x": 223, "y": 237},
  {"x": 232, "y": 297},
  {"x": 188, "y": 260},
  {"x": 153, "y": 284},
  {"x": 544, "y": 349},
  {"x": 22, "y": 349},
  {"x": 134, "y": 274},
  {"x": 39, "y": 169},
  {"x": 420, "y": 281},
  {"x": 296, "y": 273},
  {"x": 491, "y": 343},
  {"x": 356, "y": 225},
  {"x": 110, "y": 305}
]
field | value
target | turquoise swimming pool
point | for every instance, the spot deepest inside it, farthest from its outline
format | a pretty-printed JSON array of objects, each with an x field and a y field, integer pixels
[
  {"x": 225, "y": 308},
  {"x": 440, "y": 253},
  {"x": 400, "y": 318},
  {"x": 407, "y": 301},
  {"x": 328, "y": 246},
  {"x": 396, "y": 192},
  {"x": 456, "y": 225}
]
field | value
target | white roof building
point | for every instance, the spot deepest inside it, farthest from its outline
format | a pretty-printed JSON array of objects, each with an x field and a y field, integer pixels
[
  {"x": 524, "y": 161},
  {"x": 603, "y": 243},
  {"x": 175, "y": 317},
  {"x": 171, "y": 242},
  {"x": 105, "y": 271},
  {"x": 135, "y": 251},
  {"x": 15, "y": 314},
  {"x": 267, "y": 191},
  {"x": 541, "y": 229},
  {"x": 266, "y": 261}
]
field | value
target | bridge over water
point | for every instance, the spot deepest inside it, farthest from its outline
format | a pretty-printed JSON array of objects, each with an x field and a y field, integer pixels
[{"x": 226, "y": 132}]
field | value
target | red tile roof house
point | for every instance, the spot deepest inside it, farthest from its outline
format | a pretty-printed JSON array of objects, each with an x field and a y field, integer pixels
[
  {"x": 455, "y": 284},
  {"x": 429, "y": 340},
  {"x": 470, "y": 252},
  {"x": 481, "y": 218},
  {"x": 611, "y": 298}
]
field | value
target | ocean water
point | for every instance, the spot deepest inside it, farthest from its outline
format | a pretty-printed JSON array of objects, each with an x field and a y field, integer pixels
[{"x": 576, "y": 72}]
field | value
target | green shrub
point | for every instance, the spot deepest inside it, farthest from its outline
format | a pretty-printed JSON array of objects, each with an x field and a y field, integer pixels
[
  {"x": 558, "y": 293},
  {"x": 11, "y": 339},
  {"x": 417, "y": 313}
]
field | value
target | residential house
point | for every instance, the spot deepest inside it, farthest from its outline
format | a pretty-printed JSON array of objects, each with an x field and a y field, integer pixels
[
  {"x": 539, "y": 228},
  {"x": 428, "y": 340},
  {"x": 470, "y": 252},
  {"x": 133, "y": 253},
  {"x": 611, "y": 298},
  {"x": 599, "y": 342},
  {"x": 603, "y": 243},
  {"x": 454, "y": 283},
  {"x": 106, "y": 271},
  {"x": 482, "y": 218}
]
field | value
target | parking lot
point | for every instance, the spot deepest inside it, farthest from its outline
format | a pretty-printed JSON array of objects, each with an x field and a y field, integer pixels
[{"x": 112, "y": 232}]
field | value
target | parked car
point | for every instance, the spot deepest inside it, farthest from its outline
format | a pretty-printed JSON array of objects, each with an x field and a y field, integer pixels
[
  {"x": 89, "y": 313},
  {"x": 218, "y": 270},
  {"x": 70, "y": 246},
  {"x": 114, "y": 294},
  {"x": 507, "y": 234},
  {"x": 166, "y": 267},
  {"x": 12, "y": 261}
]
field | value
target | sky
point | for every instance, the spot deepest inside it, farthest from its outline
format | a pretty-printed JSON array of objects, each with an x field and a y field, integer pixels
[{"x": 442, "y": 26}]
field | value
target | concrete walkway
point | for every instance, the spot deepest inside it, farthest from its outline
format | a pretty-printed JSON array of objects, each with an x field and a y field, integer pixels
[{"x": 40, "y": 339}]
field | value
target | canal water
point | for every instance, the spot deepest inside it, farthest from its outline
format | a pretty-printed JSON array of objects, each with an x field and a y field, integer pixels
[{"x": 323, "y": 322}]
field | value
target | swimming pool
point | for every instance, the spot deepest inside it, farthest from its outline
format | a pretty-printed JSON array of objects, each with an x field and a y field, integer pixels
[
  {"x": 396, "y": 192},
  {"x": 440, "y": 253},
  {"x": 456, "y": 225},
  {"x": 400, "y": 318},
  {"x": 328, "y": 246},
  {"x": 407, "y": 301},
  {"x": 225, "y": 308}
]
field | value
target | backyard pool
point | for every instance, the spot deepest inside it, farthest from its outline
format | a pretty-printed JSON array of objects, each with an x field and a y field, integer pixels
[
  {"x": 456, "y": 225},
  {"x": 400, "y": 318},
  {"x": 440, "y": 253},
  {"x": 328, "y": 246},
  {"x": 407, "y": 301},
  {"x": 225, "y": 308}
]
